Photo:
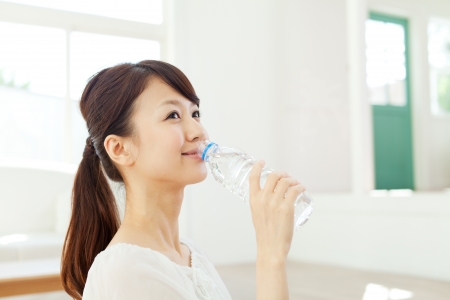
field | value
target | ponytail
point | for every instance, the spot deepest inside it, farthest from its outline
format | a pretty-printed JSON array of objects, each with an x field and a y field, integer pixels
[{"x": 94, "y": 222}]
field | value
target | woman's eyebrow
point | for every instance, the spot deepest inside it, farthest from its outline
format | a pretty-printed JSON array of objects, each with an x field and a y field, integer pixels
[{"x": 174, "y": 102}]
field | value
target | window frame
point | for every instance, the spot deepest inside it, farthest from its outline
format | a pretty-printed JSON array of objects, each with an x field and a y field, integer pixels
[{"x": 81, "y": 22}]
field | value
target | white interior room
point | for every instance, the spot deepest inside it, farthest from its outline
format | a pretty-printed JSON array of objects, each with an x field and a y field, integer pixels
[{"x": 283, "y": 80}]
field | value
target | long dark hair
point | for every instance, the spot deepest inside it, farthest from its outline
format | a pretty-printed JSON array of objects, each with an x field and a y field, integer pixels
[{"x": 107, "y": 105}]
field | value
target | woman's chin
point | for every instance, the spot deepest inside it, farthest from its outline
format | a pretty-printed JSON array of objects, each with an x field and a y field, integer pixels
[{"x": 198, "y": 176}]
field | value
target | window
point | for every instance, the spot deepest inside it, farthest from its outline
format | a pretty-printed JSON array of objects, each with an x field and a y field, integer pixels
[
  {"x": 33, "y": 58},
  {"x": 90, "y": 53},
  {"x": 44, "y": 67},
  {"x": 32, "y": 90},
  {"x": 439, "y": 60},
  {"x": 386, "y": 69},
  {"x": 147, "y": 11}
]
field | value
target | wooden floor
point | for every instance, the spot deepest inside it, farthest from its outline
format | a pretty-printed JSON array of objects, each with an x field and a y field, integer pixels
[
  {"x": 30, "y": 276},
  {"x": 316, "y": 282}
]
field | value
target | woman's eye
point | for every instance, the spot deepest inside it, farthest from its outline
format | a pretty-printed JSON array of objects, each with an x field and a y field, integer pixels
[
  {"x": 173, "y": 115},
  {"x": 196, "y": 114}
]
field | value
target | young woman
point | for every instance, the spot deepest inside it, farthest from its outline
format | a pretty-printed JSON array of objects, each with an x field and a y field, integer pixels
[{"x": 144, "y": 127}]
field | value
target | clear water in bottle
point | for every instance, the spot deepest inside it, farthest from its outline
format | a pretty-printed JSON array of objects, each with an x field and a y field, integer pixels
[{"x": 231, "y": 167}]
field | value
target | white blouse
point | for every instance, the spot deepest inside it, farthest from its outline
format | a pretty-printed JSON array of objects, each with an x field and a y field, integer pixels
[{"x": 126, "y": 271}]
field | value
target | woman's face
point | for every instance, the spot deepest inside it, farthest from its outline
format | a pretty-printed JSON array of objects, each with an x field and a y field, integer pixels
[{"x": 168, "y": 127}]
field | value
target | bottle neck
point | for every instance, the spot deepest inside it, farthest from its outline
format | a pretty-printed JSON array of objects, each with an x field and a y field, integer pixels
[{"x": 206, "y": 149}]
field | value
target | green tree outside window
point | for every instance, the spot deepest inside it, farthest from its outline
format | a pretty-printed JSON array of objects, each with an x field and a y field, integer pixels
[
  {"x": 11, "y": 82},
  {"x": 444, "y": 92}
]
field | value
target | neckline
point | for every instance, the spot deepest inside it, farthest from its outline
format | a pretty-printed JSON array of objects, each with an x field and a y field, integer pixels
[{"x": 160, "y": 254}]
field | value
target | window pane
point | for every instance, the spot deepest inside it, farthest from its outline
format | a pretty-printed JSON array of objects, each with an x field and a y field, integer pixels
[
  {"x": 33, "y": 58},
  {"x": 443, "y": 84},
  {"x": 386, "y": 70},
  {"x": 91, "y": 53},
  {"x": 31, "y": 125},
  {"x": 32, "y": 84},
  {"x": 439, "y": 43},
  {"x": 439, "y": 59},
  {"x": 147, "y": 11}
]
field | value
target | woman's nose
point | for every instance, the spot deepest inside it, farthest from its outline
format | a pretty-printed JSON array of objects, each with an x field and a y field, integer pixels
[{"x": 196, "y": 131}]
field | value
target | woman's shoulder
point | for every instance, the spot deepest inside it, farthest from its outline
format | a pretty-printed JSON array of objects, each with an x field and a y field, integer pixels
[
  {"x": 123, "y": 257},
  {"x": 123, "y": 267},
  {"x": 117, "y": 254}
]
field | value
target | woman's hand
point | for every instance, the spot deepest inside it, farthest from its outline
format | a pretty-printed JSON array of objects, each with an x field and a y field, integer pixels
[
  {"x": 273, "y": 211},
  {"x": 273, "y": 217}
]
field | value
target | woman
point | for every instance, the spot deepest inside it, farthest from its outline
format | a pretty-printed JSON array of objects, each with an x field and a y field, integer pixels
[{"x": 144, "y": 128}]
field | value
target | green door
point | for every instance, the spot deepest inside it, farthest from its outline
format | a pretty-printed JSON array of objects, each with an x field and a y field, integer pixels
[{"x": 389, "y": 90}]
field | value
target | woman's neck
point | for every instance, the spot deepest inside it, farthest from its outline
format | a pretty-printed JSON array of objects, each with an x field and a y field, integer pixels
[{"x": 151, "y": 219}]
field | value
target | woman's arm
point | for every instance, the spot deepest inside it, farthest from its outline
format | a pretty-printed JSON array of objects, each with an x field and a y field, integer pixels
[
  {"x": 273, "y": 218},
  {"x": 271, "y": 279}
]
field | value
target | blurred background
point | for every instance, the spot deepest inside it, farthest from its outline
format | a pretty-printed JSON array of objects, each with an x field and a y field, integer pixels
[{"x": 351, "y": 97}]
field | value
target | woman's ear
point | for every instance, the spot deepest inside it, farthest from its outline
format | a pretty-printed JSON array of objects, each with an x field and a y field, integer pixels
[{"x": 120, "y": 150}]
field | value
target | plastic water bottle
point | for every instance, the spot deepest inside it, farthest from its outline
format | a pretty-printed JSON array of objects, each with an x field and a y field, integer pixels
[{"x": 231, "y": 167}]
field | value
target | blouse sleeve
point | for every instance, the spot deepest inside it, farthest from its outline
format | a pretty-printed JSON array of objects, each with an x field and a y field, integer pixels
[{"x": 129, "y": 279}]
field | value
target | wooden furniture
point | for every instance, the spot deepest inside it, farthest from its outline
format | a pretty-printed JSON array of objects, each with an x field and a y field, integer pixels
[{"x": 30, "y": 276}]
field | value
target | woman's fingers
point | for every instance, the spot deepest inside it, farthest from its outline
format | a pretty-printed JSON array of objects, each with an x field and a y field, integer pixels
[
  {"x": 294, "y": 191},
  {"x": 279, "y": 184},
  {"x": 273, "y": 178},
  {"x": 283, "y": 185},
  {"x": 255, "y": 177}
]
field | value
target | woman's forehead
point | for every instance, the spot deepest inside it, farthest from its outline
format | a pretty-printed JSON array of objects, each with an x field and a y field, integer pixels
[{"x": 159, "y": 94}]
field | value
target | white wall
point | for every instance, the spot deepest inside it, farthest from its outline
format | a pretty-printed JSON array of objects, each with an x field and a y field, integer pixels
[
  {"x": 270, "y": 86},
  {"x": 273, "y": 79},
  {"x": 313, "y": 115},
  {"x": 405, "y": 235},
  {"x": 227, "y": 50}
]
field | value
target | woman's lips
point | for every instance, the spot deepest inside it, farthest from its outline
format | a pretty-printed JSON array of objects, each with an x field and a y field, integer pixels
[{"x": 191, "y": 152}]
